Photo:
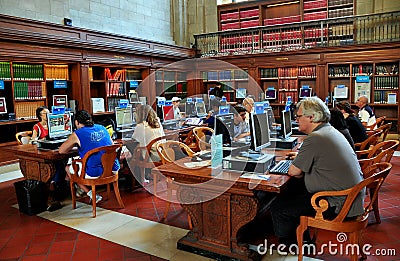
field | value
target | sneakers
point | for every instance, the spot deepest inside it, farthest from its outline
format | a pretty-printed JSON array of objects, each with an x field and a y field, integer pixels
[{"x": 98, "y": 197}]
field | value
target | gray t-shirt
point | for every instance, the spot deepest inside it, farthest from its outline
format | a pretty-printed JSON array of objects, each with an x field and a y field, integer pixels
[{"x": 329, "y": 163}]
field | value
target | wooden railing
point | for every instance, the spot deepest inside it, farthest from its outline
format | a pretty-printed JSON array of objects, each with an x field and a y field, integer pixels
[{"x": 351, "y": 30}]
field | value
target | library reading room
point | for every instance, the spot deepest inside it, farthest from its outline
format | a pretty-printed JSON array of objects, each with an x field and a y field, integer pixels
[{"x": 200, "y": 130}]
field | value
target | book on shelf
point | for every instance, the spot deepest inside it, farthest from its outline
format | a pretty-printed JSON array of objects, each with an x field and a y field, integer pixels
[
  {"x": 60, "y": 100},
  {"x": 5, "y": 72}
]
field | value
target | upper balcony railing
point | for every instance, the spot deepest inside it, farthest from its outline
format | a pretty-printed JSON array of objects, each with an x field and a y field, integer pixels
[{"x": 351, "y": 30}]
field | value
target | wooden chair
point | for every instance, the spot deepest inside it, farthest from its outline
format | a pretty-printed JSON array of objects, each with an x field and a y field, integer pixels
[
  {"x": 382, "y": 152},
  {"x": 200, "y": 134},
  {"x": 377, "y": 124},
  {"x": 377, "y": 172},
  {"x": 106, "y": 178},
  {"x": 169, "y": 151},
  {"x": 370, "y": 141},
  {"x": 23, "y": 137}
]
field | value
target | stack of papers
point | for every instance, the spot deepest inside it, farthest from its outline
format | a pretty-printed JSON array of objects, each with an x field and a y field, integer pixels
[{"x": 252, "y": 175}]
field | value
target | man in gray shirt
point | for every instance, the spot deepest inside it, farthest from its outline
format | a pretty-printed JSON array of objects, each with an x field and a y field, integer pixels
[{"x": 325, "y": 161}]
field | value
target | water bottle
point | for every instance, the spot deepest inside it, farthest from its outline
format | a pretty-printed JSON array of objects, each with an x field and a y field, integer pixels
[
  {"x": 288, "y": 103},
  {"x": 327, "y": 100}
]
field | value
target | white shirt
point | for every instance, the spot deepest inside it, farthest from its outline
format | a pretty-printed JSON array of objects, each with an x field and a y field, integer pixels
[
  {"x": 177, "y": 113},
  {"x": 144, "y": 134}
]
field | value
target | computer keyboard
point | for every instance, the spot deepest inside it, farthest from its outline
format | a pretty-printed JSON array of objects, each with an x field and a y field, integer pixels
[{"x": 282, "y": 167}]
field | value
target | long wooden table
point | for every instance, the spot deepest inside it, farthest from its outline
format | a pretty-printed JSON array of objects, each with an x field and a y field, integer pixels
[
  {"x": 38, "y": 164},
  {"x": 219, "y": 205}
]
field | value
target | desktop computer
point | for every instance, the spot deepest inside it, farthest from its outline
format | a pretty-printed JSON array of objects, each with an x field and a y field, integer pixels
[{"x": 240, "y": 163}]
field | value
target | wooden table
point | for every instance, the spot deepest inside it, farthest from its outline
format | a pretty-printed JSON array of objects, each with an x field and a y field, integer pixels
[
  {"x": 218, "y": 206},
  {"x": 36, "y": 163}
]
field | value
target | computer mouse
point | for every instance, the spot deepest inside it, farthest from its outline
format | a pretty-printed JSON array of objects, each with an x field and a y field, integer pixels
[{"x": 196, "y": 159}]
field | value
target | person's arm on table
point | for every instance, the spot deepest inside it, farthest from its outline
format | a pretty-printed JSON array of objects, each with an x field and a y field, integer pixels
[{"x": 69, "y": 144}]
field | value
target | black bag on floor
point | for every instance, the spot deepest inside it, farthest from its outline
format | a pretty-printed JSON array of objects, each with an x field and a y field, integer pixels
[{"x": 32, "y": 196}]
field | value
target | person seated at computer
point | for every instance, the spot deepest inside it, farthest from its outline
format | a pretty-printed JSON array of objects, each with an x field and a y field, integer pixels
[
  {"x": 241, "y": 127},
  {"x": 40, "y": 129},
  {"x": 210, "y": 119},
  {"x": 177, "y": 112},
  {"x": 217, "y": 91},
  {"x": 338, "y": 122},
  {"x": 357, "y": 130},
  {"x": 148, "y": 128},
  {"x": 325, "y": 161},
  {"x": 88, "y": 136},
  {"x": 248, "y": 104},
  {"x": 366, "y": 115}
]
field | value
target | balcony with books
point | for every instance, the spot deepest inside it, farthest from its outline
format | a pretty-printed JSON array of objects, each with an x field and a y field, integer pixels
[{"x": 279, "y": 36}]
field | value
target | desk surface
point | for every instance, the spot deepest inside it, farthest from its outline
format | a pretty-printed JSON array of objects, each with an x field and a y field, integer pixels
[{"x": 30, "y": 150}]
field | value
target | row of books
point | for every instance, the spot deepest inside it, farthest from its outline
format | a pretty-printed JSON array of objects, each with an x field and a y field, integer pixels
[
  {"x": 240, "y": 39},
  {"x": 315, "y": 16},
  {"x": 310, "y": 5},
  {"x": 133, "y": 75},
  {"x": 56, "y": 71},
  {"x": 22, "y": 71},
  {"x": 341, "y": 12},
  {"x": 287, "y": 72},
  {"x": 362, "y": 69},
  {"x": 112, "y": 103},
  {"x": 27, "y": 109},
  {"x": 282, "y": 20},
  {"x": 29, "y": 90},
  {"x": 337, "y": 71},
  {"x": 384, "y": 97},
  {"x": 288, "y": 85},
  {"x": 390, "y": 82},
  {"x": 249, "y": 13},
  {"x": 230, "y": 26},
  {"x": 269, "y": 73},
  {"x": 389, "y": 69},
  {"x": 117, "y": 75},
  {"x": 229, "y": 16},
  {"x": 5, "y": 72},
  {"x": 225, "y": 75},
  {"x": 332, "y": 3},
  {"x": 116, "y": 89},
  {"x": 282, "y": 96},
  {"x": 249, "y": 23},
  {"x": 307, "y": 71},
  {"x": 171, "y": 87}
]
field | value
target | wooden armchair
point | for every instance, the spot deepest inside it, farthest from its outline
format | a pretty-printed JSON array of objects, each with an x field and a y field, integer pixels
[
  {"x": 370, "y": 141},
  {"x": 169, "y": 151},
  {"x": 107, "y": 177},
  {"x": 200, "y": 134},
  {"x": 377, "y": 124},
  {"x": 382, "y": 152},
  {"x": 377, "y": 172},
  {"x": 23, "y": 137}
]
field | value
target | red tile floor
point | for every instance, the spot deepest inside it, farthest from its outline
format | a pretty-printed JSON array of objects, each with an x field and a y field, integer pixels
[{"x": 24, "y": 237}]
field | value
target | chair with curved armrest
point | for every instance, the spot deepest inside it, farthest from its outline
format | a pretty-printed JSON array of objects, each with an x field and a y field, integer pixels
[
  {"x": 371, "y": 140},
  {"x": 107, "y": 177},
  {"x": 382, "y": 152},
  {"x": 379, "y": 121},
  {"x": 169, "y": 151},
  {"x": 201, "y": 135},
  {"x": 23, "y": 137},
  {"x": 376, "y": 176}
]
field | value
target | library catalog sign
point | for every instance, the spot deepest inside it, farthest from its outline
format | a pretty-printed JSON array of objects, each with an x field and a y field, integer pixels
[{"x": 362, "y": 87}]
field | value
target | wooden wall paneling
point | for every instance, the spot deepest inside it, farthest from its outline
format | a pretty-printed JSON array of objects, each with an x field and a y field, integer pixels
[
  {"x": 322, "y": 88},
  {"x": 84, "y": 102}
]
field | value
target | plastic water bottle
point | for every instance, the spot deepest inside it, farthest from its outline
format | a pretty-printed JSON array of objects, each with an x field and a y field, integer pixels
[
  {"x": 288, "y": 103},
  {"x": 327, "y": 100}
]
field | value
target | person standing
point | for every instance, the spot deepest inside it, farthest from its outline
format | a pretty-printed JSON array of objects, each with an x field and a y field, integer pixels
[
  {"x": 356, "y": 129},
  {"x": 217, "y": 91},
  {"x": 325, "y": 162},
  {"x": 88, "y": 136},
  {"x": 366, "y": 115}
]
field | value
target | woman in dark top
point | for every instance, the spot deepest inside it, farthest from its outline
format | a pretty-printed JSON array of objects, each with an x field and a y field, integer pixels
[
  {"x": 357, "y": 130},
  {"x": 338, "y": 122}
]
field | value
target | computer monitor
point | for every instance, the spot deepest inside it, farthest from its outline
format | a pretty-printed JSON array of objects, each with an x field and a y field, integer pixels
[
  {"x": 241, "y": 93},
  {"x": 200, "y": 109},
  {"x": 190, "y": 110},
  {"x": 270, "y": 115},
  {"x": 168, "y": 112},
  {"x": 224, "y": 124},
  {"x": 124, "y": 117},
  {"x": 270, "y": 94},
  {"x": 305, "y": 92},
  {"x": 59, "y": 125},
  {"x": 133, "y": 97},
  {"x": 259, "y": 131},
  {"x": 286, "y": 125}
]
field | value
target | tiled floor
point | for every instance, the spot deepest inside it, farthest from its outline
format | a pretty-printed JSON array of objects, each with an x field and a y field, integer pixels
[{"x": 135, "y": 232}]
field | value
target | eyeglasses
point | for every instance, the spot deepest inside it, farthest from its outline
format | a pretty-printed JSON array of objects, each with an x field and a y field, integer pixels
[
  {"x": 299, "y": 116},
  {"x": 243, "y": 115}
]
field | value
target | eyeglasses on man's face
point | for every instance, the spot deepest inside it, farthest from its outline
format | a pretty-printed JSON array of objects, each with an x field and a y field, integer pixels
[{"x": 243, "y": 115}]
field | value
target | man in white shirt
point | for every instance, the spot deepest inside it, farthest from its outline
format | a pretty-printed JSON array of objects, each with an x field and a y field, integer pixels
[
  {"x": 366, "y": 115},
  {"x": 175, "y": 103}
]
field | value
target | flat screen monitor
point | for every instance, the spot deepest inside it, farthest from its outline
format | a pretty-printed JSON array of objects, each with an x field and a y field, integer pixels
[
  {"x": 305, "y": 92},
  {"x": 270, "y": 115},
  {"x": 201, "y": 109},
  {"x": 270, "y": 94},
  {"x": 224, "y": 124},
  {"x": 259, "y": 131},
  {"x": 123, "y": 117},
  {"x": 133, "y": 97},
  {"x": 241, "y": 93},
  {"x": 190, "y": 109},
  {"x": 286, "y": 127},
  {"x": 59, "y": 125},
  {"x": 168, "y": 112}
]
